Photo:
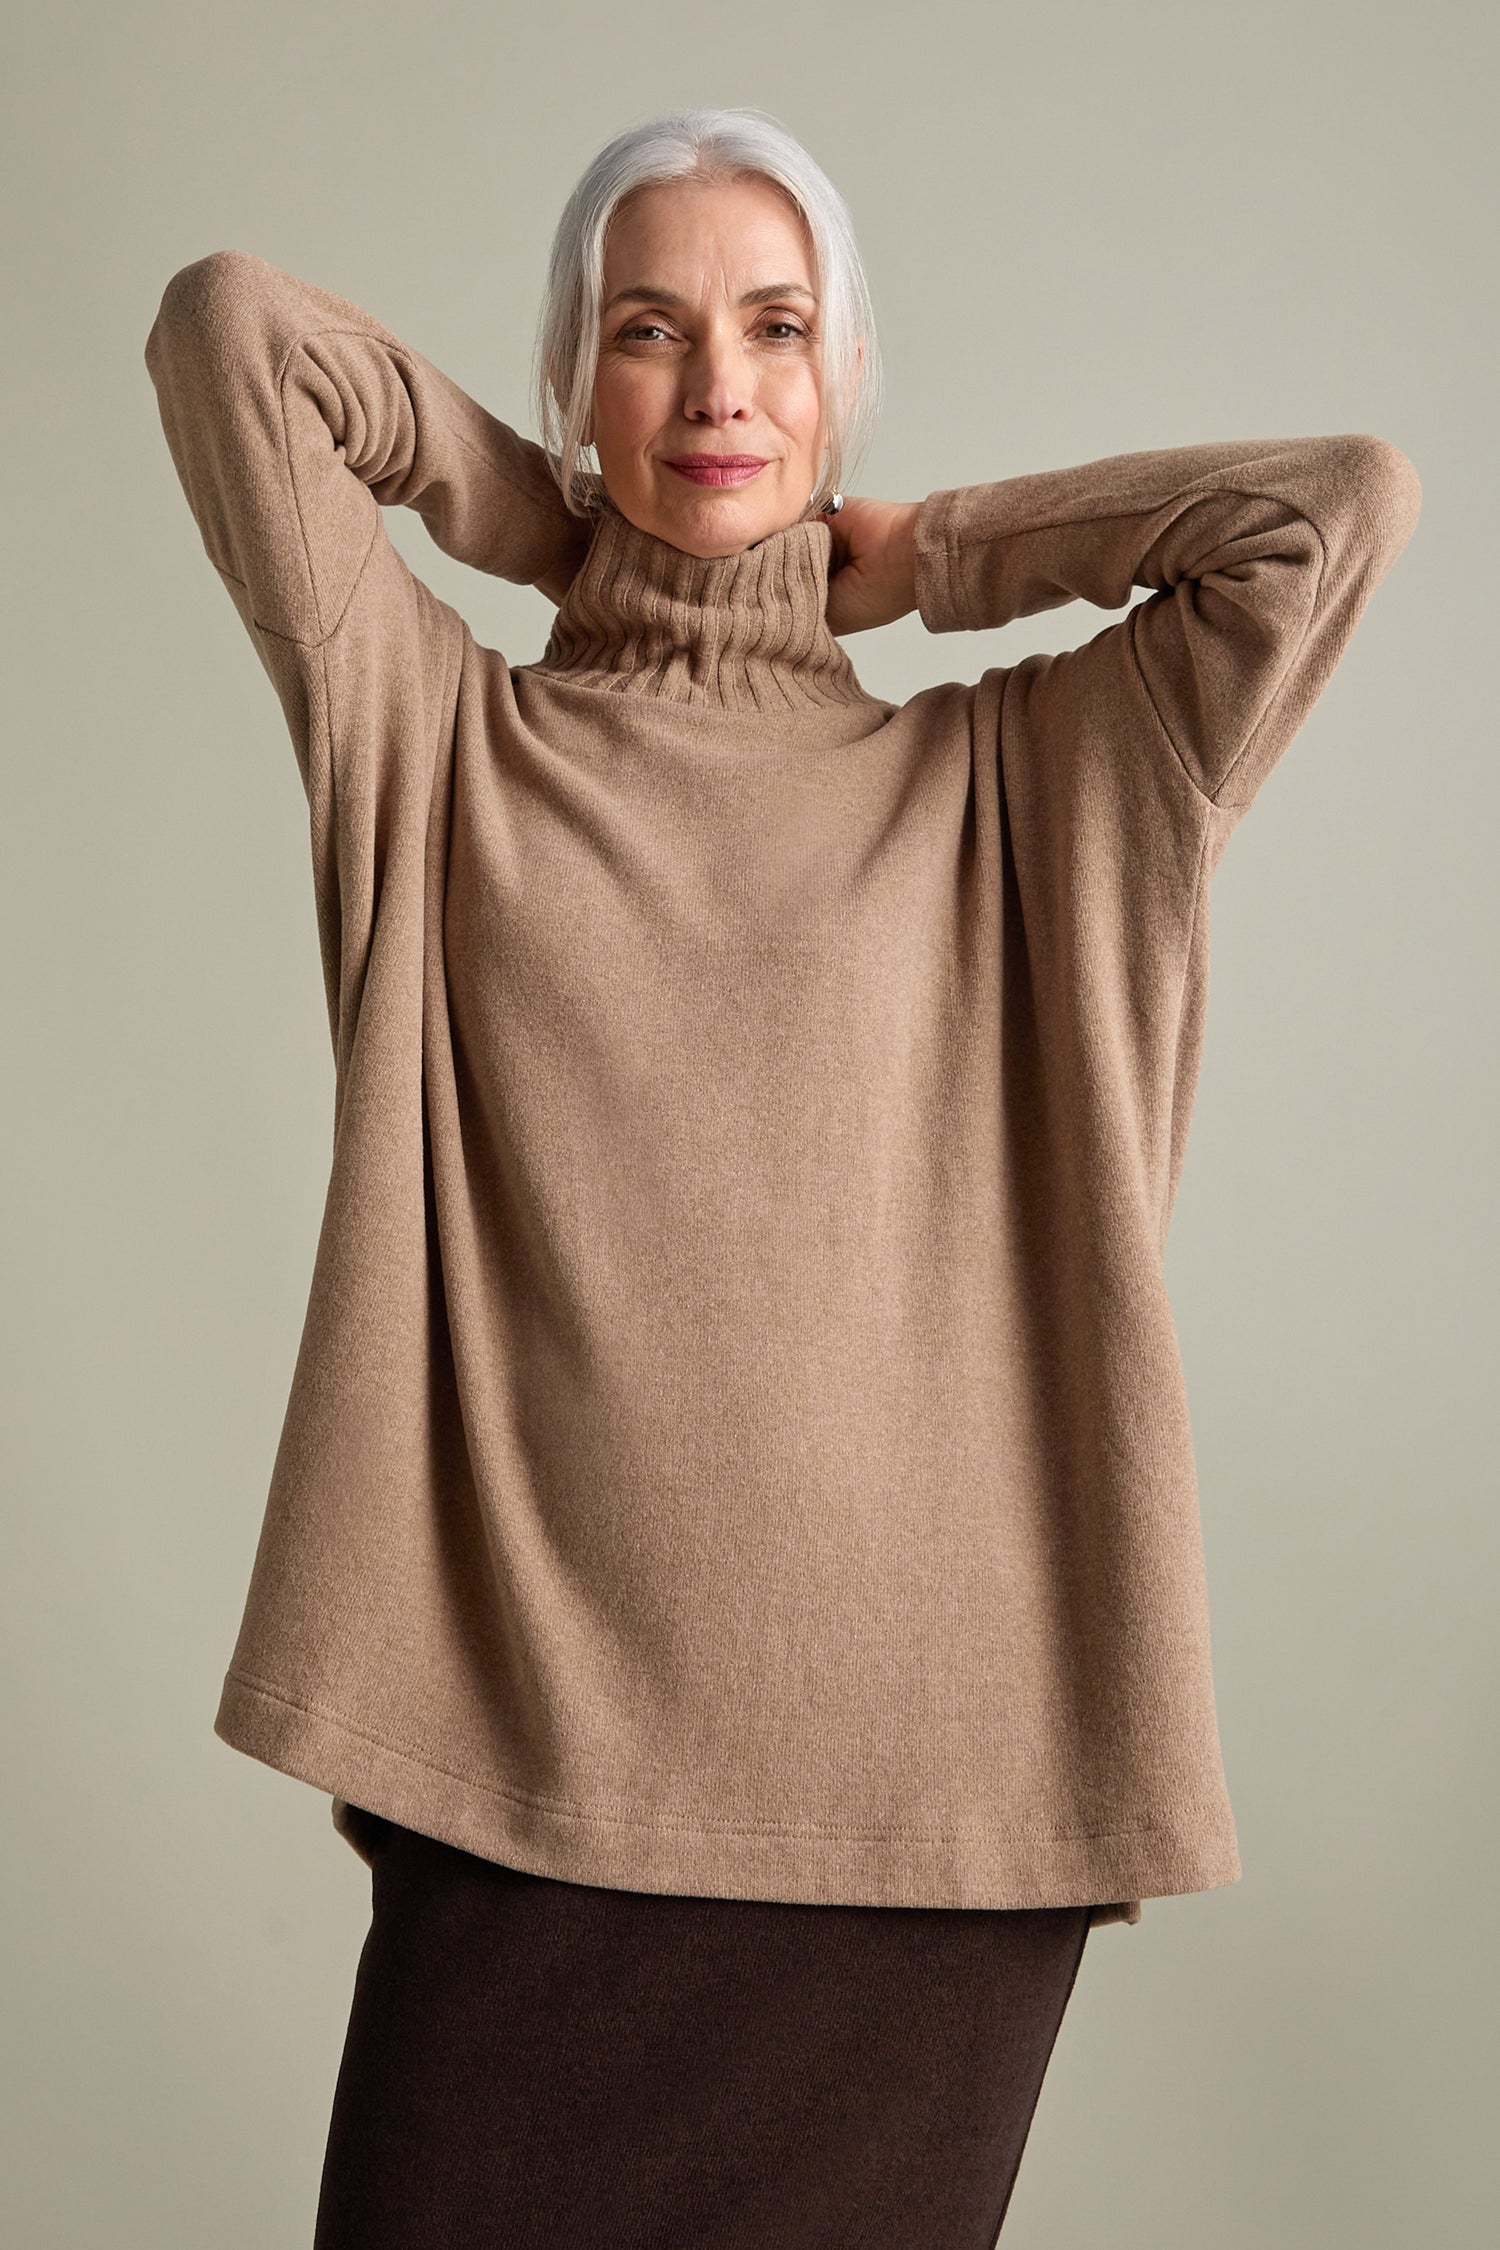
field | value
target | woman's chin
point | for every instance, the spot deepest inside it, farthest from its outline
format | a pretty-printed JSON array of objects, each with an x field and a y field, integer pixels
[{"x": 710, "y": 521}]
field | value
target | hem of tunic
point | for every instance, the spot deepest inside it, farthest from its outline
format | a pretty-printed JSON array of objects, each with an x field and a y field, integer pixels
[{"x": 1112, "y": 1874}]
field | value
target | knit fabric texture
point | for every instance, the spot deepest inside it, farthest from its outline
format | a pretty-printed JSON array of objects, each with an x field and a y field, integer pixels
[{"x": 738, "y": 1442}]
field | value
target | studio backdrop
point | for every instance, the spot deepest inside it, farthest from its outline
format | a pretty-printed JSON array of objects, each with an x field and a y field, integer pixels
[{"x": 1089, "y": 230}]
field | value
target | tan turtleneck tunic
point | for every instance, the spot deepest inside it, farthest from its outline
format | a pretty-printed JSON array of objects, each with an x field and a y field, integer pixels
[{"x": 738, "y": 1443}]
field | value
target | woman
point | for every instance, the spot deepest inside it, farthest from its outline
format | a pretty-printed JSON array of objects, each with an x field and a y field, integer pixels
[{"x": 733, "y": 1552}]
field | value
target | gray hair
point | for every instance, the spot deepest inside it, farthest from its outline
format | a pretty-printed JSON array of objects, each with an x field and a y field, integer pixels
[{"x": 700, "y": 144}]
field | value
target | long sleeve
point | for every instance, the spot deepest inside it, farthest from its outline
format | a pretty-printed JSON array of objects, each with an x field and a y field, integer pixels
[
  {"x": 293, "y": 417},
  {"x": 1117, "y": 770},
  {"x": 1260, "y": 556}
]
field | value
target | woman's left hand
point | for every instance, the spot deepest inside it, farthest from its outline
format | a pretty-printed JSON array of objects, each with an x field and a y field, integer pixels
[{"x": 873, "y": 568}]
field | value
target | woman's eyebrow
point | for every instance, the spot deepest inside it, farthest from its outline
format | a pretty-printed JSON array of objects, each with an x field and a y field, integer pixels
[{"x": 770, "y": 291}]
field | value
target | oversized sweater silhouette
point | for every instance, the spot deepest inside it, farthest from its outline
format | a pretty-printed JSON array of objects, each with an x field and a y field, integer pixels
[{"x": 738, "y": 1443}]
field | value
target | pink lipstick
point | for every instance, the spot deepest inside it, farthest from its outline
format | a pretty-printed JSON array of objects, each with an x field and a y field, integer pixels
[{"x": 718, "y": 468}]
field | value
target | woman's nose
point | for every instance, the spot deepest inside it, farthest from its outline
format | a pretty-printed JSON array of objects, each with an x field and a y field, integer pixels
[{"x": 717, "y": 386}]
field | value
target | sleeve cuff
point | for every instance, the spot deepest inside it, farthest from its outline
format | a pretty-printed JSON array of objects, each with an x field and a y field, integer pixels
[{"x": 938, "y": 603}]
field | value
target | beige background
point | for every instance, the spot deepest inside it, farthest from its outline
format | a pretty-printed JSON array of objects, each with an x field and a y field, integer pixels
[{"x": 1090, "y": 229}]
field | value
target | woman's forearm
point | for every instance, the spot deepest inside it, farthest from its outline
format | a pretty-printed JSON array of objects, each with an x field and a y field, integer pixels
[{"x": 993, "y": 552}]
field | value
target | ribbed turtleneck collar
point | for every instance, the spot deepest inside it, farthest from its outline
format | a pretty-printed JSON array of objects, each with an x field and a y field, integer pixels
[{"x": 746, "y": 631}]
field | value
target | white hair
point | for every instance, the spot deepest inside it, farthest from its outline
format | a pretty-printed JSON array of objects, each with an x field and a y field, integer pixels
[{"x": 701, "y": 144}]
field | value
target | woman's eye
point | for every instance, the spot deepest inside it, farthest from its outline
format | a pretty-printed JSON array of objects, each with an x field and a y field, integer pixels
[{"x": 791, "y": 332}]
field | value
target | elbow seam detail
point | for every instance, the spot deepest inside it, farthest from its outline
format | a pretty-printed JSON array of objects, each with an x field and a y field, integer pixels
[
  {"x": 1215, "y": 796},
  {"x": 397, "y": 351},
  {"x": 1314, "y": 610},
  {"x": 954, "y": 543},
  {"x": 325, "y": 633},
  {"x": 1139, "y": 676}
]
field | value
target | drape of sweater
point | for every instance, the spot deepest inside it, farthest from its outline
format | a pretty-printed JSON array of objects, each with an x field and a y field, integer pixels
[{"x": 738, "y": 1442}]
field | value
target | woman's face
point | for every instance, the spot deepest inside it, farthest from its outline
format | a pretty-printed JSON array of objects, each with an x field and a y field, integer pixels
[{"x": 709, "y": 356}]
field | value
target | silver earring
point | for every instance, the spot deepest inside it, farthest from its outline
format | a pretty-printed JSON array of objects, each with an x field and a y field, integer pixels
[{"x": 832, "y": 506}]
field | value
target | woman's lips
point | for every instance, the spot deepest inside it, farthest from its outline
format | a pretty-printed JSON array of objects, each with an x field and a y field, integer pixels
[{"x": 717, "y": 468}]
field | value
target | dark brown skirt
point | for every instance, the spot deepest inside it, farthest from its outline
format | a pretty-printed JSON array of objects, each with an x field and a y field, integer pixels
[{"x": 532, "y": 2062}]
